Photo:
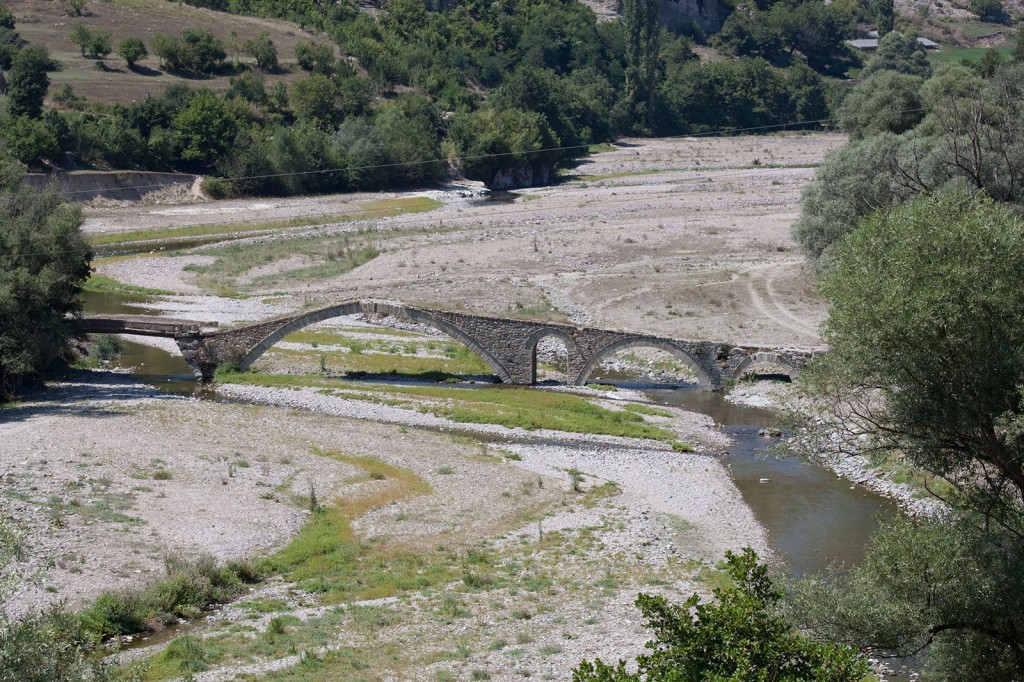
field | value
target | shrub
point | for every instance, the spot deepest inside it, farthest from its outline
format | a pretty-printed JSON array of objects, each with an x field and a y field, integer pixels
[
  {"x": 132, "y": 51},
  {"x": 196, "y": 51},
  {"x": 315, "y": 57}
]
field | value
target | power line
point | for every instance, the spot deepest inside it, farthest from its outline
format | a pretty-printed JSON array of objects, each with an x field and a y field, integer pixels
[
  {"x": 400, "y": 164},
  {"x": 519, "y": 210}
]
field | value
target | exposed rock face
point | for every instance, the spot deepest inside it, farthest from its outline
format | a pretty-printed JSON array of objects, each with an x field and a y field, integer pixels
[
  {"x": 535, "y": 174},
  {"x": 677, "y": 15}
]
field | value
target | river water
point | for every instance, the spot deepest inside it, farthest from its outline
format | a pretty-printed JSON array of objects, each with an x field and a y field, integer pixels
[{"x": 813, "y": 518}]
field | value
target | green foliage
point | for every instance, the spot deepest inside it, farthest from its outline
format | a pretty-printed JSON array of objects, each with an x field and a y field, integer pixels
[
  {"x": 189, "y": 587},
  {"x": 91, "y": 43},
  {"x": 6, "y": 18},
  {"x": 489, "y": 142},
  {"x": 43, "y": 263},
  {"x": 938, "y": 279},
  {"x": 261, "y": 48},
  {"x": 132, "y": 50},
  {"x": 28, "y": 140},
  {"x": 942, "y": 590},
  {"x": 970, "y": 136},
  {"x": 741, "y": 635},
  {"x": 196, "y": 51},
  {"x": 643, "y": 35},
  {"x": 27, "y": 81},
  {"x": 990, "y": 10},
  {"x": 887, "y": 101},
  {"x": 899, "y": 52},
  {"x": 206, "y": 128},
  {"x": 315, "y": 57},
  {"x": 926, "y": 363}
]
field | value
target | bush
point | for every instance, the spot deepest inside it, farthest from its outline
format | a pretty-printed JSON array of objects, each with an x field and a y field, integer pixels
[
  {"x": 190, "y": 587},
  {"x": 132, "y": 51},
  {"x": 741, "y": 635},
  {"x": 262, "y": 50},
  {"x": 315, "y": 57},
  {"x": 195, "y": 51}
]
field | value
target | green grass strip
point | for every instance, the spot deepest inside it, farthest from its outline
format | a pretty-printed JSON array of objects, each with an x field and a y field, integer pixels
[{"x": 383, "y": 208}]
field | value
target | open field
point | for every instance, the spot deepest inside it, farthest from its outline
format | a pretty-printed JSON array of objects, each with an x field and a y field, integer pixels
[
  {"x": 45, "y": 22},
  {"x": 425, "y": 531}
]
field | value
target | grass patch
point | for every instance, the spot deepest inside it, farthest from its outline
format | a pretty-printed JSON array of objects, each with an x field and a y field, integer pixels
[
  {"x": 376, "y": 209},
  {"x": 328, "y": 558},
  {"x": 648, "y": 410},
  {"x": 970, "y": 54},
  {"x": 101, "y": 284},
  {"x": 680, "y": 446},
  {"x": 512, "y": 407},
  {"x": 600, "y": 147}
]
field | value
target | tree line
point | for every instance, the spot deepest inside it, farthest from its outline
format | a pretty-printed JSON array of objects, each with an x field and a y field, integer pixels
[{"x": 468, "y": 75}]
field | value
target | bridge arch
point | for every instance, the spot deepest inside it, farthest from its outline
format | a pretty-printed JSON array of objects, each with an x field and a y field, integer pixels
[
  {"x": 761, "y": 359},
  {"x": 649, "y": 342},
  {"x": 530, "y": 349},
  {"x": 356, "y": 307}
]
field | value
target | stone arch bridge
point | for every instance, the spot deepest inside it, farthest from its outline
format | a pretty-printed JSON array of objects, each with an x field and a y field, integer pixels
[{"x": 508, "y": 346}]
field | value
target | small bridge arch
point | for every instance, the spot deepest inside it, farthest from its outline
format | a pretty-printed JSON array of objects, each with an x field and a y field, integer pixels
[
  {"x": 530, "y": 349},
  {"x": 765, "y": 359},
  {"x": 666, "y": 345},
  {"x": 356, "y": 307}
]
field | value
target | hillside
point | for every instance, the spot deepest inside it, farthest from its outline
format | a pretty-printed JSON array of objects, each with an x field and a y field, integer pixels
[{"x": 45, "y": 23}]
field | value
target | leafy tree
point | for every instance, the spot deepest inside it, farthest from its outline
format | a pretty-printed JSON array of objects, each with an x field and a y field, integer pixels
[
  {"x": 206, "y": 127},
  {"x": 899, "y": 52},
  {"x": 1018, "y": 51},
  {"x": 195, "y": 51},
  {"x": 248, "y": 85},
  {"x": 27, "y": 82},
  {"x": 132, "y": 50},
  {"x": 887, "y": 101},
  {"x": 315, "y": 57},
  {"x": 741, "y": 635},
  {"x": 315, "y": 99},
  {"x": 81, "y": 36},
  {"x": 925, "y": 364},
  {"x": 884, "y": 14},
  {"x": 262, "y": 50},
  {"x": 643, "y": 35},
  {"x": 43, "y": 262},
  {"x": 29, "y": 140},
  {"x": 488, "y": 142},
  {"x": 973, "y": 135}
]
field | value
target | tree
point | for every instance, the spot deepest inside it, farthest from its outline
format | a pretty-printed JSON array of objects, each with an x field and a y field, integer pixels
[
  {"x": 206, "y": 127},
  {"x": 741, "y": 635},
  {"x": 884, "y": 14},
  {"x": 887, "y": 101},
  {"x": 6, "y": 18},
  {"x": 27, "y": 82},
  {"x": 315, "y": 57},
  {"x": 132, "y": 50},
  {"x": 262, "y": 50},
  {"x": 315, "y": 99},
  {"x": 926, "y": 365},
  {"x": 81, "y": 36},
  {"x": 195, "y": 51},
  {"x": 29, "y": 140},
  {"x": 899, "y": 52},
  {"x": 643, "y": 36},
  {"x": 43, "y": 262}
]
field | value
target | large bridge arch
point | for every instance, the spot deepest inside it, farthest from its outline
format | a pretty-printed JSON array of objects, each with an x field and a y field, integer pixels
[
  {"x": 600, "y": 356},
  {"x": 357, "y": 307},
  {"x": 763, "y": 358}
]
